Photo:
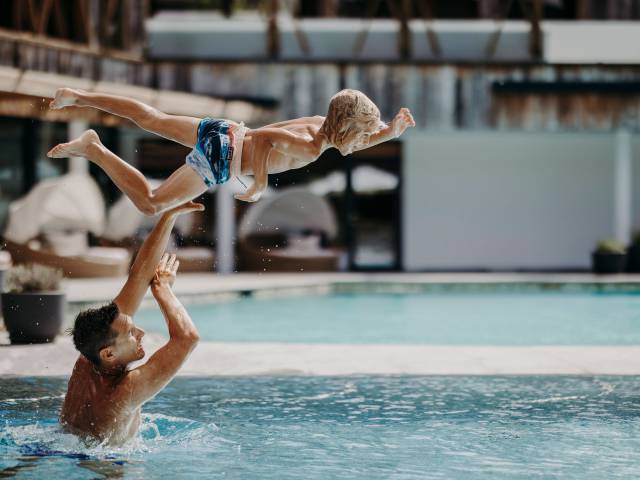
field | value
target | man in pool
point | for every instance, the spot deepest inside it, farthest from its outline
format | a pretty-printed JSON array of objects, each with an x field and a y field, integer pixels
[
  {"x": 104, "y": 396},
  {"x": 222, "y": 149}
]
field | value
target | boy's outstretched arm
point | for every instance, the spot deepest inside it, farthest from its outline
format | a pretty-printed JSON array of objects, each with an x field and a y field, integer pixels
[
  {"x": 398, "y": 125},
  {"x": 144, "y": 266}
]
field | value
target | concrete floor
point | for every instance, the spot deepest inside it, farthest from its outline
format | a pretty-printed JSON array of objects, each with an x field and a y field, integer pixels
[{"x": 317, "y": 359}]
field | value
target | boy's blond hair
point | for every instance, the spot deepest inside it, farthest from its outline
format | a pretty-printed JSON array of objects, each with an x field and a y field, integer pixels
[{"x": 345, "y": 107}]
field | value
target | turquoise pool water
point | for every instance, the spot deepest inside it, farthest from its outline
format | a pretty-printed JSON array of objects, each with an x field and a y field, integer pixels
[
  {"x": 481, "y": 318},
  {"x": 343, "y": 428}
]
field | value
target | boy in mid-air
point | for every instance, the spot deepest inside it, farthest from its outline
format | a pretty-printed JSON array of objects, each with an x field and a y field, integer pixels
[{"x": 222, "y": 149}]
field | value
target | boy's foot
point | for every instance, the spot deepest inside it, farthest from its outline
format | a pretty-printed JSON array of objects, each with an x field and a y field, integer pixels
[
  {"x": 65, "y": 97},
  {"x": 74, "y": 148}
]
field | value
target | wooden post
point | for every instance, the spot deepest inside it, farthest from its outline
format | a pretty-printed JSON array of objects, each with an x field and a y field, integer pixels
[
  {"x": 426, "y": 10},
  {"x": 358, "y": 45},
  {"x": 43, "y": 21},
  {"x": 535, "y": 38},
  {"x": 623, "y": 186},
  {"x": 582, "y": 9},
  {"x": 17, "y": 15},
  {"x": 405, "y": 34},
  {"x": 487, "y": 9},
  {"x": 227, "y": 8},
  {"x": 273, "y": 41},
  {"x": 327, "y": 8},
  {"x": 492, "y": 45}
]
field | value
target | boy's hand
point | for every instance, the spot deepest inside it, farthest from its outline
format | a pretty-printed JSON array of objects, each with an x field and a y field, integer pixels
[
  {"x": 165, "y": 272},
  {"x": 402, "y": 121}
]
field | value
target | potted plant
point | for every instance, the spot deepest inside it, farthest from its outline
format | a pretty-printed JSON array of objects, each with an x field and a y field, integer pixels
[
  {"x": 610, "y": 256},
  {"x": 32, "y": 303},
  {"x": 633, "y": 253}
]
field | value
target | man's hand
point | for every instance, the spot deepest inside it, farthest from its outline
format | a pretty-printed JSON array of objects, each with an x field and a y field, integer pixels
[
  {"x": 402, "y": 121},
  {"x": 165, "y": 273},
  {"x": 187, "y": 207},
  {"x": 248, "y": 197}
]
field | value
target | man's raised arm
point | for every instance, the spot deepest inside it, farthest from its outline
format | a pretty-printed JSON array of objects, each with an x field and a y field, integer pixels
[
  {"x": 144, "y": 266},
  {"x": 146, "y": 381}
]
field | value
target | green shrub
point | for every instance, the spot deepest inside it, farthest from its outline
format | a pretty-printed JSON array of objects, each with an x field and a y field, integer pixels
[
  {"x": 611, "y": 246},
  {"x": 32, "y": 277}
]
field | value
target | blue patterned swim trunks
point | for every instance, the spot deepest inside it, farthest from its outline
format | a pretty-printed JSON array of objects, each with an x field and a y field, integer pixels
[{"x": 211, "y": 156}]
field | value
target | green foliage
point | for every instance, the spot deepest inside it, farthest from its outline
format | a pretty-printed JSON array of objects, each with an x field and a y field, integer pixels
[
  {"x": 611, "y": 246},
  {"x": 32, "y": 277}
]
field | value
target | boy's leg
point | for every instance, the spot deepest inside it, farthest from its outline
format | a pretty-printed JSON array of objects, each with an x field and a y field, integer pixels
[
  {"x": 181, "y": 129},
  {"x": 183, "y": 185}
]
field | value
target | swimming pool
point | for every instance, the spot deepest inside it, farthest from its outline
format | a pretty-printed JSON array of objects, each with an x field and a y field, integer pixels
[
  {"x": 438, "y": 318},
  {"x": 358, "y": 428}
]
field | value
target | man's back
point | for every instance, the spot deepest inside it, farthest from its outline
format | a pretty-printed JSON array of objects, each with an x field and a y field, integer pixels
[{"x": 96, "y": 405}]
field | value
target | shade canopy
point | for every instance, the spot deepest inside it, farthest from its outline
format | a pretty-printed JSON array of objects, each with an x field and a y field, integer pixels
[
  {"x": 365, "y": 179},
  {"x": 70, "y": 203},
  {"x": 289, "y": 211}
]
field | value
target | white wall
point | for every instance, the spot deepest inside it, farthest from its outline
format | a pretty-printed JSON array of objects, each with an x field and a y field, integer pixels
[{"x": 488, "y": 200}]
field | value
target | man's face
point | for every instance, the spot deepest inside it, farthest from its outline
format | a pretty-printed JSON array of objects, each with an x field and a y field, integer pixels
[{"x": 127, "y": 346}]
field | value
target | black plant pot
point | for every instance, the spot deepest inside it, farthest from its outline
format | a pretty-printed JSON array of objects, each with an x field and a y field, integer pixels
[
  {"x": 633, "y": 259},
  {"x": 33, "y": 317},
  {"x": 609, "y": 262}
]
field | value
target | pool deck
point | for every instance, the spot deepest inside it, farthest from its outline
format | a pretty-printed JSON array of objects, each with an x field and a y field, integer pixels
[
  {"x": 211, "y": 358},
  {"x": 203, "y": 284}
]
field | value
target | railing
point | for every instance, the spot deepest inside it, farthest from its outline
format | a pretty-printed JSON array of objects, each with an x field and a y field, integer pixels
[
  {"x": 441, "y": 9},
  {"x": 91, "y": 39},
  {"x": 95, "y": 27}
]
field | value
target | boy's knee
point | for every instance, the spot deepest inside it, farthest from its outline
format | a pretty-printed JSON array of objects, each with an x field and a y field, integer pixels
[{"x": 148, "y": 206}]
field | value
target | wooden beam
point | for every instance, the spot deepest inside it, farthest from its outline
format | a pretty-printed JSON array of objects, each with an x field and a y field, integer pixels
[
  {"x": 273, "y": 40},
  {"x": 492, "y": 45},
  {"x": 328, "y": 8},
  {"x": 45, "y": 14},
  {"x": 32, "y": 15},
  {"x": 535, "y": 35},
  {"x": 17, "y": 15},
  {"x": 29, "y": 38},
  {"x": 358, "y": 45},
  {"x": 25, "y": 106},
  {"x": 582, "y": 9},
  {"x": 61, "y": 23},
  {"x": 404, "y": 45},
  {"x": 82, "y": 19},
  {"x": 125, "y": 25},
  {"x": 107, "y": 21},
  {"x": 426, "y": 10}
]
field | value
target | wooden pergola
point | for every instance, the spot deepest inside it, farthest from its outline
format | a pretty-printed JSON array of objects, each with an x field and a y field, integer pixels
[
  {"x": 115, "y": 27},
  {"x": 95, "y": 45},
  {"x": 404, "y": 11}
]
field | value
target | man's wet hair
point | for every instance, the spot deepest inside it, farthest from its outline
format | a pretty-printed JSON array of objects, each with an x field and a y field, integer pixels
[{"x": 92, "y": 331}]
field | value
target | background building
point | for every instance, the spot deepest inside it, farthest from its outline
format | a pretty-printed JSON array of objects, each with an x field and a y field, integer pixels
[{"x": 525, "y": 152}]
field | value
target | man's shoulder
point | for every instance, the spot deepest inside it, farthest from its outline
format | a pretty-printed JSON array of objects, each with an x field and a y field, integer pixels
[{"x": 81, "y": 366}]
